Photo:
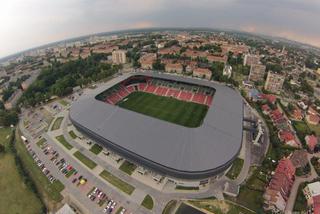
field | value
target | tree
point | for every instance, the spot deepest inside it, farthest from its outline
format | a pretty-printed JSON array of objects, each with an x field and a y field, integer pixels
[
  {"x": 2, "y": 148},
  {"x": 157, "y": 65}
]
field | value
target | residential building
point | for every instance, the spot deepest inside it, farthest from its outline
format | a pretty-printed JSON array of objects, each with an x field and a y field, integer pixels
[
  {"x": 274, "y": 82},
  {"x": 313, "y": 119},
  {"x": 299, "y": 158},
  {"x": 222, "y": 59},
  {"x": 119, "y": 57},
  {"x": 297, "y": 114},
  {"x": 174, "y": 68},
  {"x": 13, "y": 100},
  {"x": 227, "y": 71},
  {"x": 278, "y": 190},
  {"x": 250, "y": 59},
  {"x": 147, "y": 60},
  {"x": 202, "y": 73},
  {"x": 288, "y": 138},
  {"x": 257, "y": 72},
  {"x": 171, "y": 50},
  {"x": 311, "y": 141}
]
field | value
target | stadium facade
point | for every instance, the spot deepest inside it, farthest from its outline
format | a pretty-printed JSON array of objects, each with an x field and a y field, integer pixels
[{"x": 166, "y": 148}]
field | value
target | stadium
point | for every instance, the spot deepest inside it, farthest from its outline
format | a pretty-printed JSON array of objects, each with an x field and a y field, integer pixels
[{"x": 179, "y": 127}]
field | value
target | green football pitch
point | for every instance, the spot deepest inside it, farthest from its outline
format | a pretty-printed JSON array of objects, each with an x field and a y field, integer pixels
[{"x": 165, "y": 108}]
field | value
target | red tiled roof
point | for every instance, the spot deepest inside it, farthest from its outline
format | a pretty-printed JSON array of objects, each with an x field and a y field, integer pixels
[
  {"x": 269, "y": 97},
  {"x": 316, "y": 204},
  {"x": 286, "y": 136},
  {"x": 311, "y": 141}
]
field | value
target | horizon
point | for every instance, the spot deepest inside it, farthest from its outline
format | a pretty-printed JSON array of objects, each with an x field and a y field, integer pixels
[
  {"x": 116, "y": 32},
  {"x": 45, "y": 22}
]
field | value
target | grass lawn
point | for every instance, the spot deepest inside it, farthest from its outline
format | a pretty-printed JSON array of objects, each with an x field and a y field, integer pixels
[
  {"x": 15, "y": 196},
  {"x": 41, "y": 142},
  {"x": 235, "y": 170},
  {"x": 302, "y": 129},
  {"x": 96, "y": 149},
  {"x": 165, "y": 108},
  {"x": 49, "y": 192},
  {"x": 169, "y": 207},
  {"x": 315, "y": 128},
  {"x": 251, "y": 193},
  {"x": 72, "y": 134},
  {"x": 117, "y": 182},
  {"x": 300, "y": 203},
  {"x": 56, "y": 124},
  {"x": 63, "y": 102},
  {"x": 127, "y": 167},
  {"x": 147, "y": 202},
  {"x": 85, "y": 160},
  {"x": 64, "y": 142}
]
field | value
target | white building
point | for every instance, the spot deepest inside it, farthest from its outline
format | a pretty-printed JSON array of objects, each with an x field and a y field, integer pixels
[{"x": 119, "y": 57}]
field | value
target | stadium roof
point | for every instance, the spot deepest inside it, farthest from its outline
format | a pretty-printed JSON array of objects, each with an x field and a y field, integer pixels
[{"x": 171, "y": 149}]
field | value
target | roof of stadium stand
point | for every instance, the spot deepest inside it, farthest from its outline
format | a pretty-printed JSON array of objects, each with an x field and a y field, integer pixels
[{"x": 216, "y": 142}]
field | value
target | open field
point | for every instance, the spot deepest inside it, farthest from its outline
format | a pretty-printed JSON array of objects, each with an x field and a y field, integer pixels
[
  {"x": 96, "y": 149},
  {"x": 49, "y": 192},
  {"x": 85, "y": 160},
  {"x": 56, "y": 124},
  {"x": 127, "y": 167},
  {"x": 147, "y": 202},
  {"x": 117, "y": 182},
  {"x": 235, "y": 169},
  {"x": 165, "y": 108},
  {"x": 16, "y": 196},
  {"x": 64, "y": 142},
  {"x": 220, "y": 207}
]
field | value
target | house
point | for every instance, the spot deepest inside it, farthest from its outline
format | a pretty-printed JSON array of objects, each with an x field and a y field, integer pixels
[
  {"x": 202, "y": 73},
  {"x": 195, "y": 54},
  {"x": 299, "y": 158},
  {"x": 313, "y": 119},
  {"x": 311, "y": 141},
  {"x": 269, "y": 97},
  {"x": 316, "y": 204},
  {"x": 171, "y": 50},
  {"x": 174, "y": 67},
  {"x": 288, "y": 138},
  {"x": 213, "y": 58},
  {"x": 297, "y": 114},
  {"x": 265, "y": 109},
  {"x": 278, "y": 190},
  {"x": 147, "y": 60}
]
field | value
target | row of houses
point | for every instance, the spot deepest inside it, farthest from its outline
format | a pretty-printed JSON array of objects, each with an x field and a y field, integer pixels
[{"x": 278, "y": 190}]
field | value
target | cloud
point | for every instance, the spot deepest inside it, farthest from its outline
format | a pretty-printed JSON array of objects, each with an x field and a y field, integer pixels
[{"x": 29, "y": 23}]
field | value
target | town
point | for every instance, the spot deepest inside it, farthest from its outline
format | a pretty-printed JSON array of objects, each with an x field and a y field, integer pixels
[{"x": 276, "y": 165}]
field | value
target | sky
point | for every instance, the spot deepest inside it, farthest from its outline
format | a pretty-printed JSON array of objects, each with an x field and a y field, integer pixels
[{"x": 29, "y": 23}]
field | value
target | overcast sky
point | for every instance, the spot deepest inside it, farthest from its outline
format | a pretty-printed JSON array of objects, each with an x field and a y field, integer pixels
[{"x": 29, "y": 23}]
